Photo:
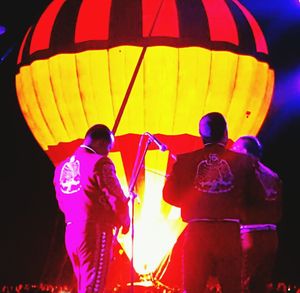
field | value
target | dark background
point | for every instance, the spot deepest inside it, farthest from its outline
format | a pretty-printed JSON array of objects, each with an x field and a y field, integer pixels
[{"x": 31, "y": 226}]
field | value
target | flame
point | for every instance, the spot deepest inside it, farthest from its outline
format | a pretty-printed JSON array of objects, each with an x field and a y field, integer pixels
[{"x": 157, "y": 225}]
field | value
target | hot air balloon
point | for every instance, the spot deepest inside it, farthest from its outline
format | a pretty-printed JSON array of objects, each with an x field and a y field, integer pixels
[{"x": 143, "y": 66}]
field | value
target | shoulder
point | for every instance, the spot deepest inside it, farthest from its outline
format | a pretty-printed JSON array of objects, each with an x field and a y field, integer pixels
[
  {"x": 103, "y": 160},
  {"x": 62, "y": 164},
  {"x": 241, "y": 163},
  {"x": 268, "y": 170},
  {"x": 243, "y": 157},
  {"x": 189, "y": 155}
]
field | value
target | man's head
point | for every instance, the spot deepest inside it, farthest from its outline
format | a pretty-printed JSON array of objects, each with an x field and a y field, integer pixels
[
  {"x": 248, "y": 144},
  {"x": 100, "y": 138},
  {"x": 213, "y": 128}
]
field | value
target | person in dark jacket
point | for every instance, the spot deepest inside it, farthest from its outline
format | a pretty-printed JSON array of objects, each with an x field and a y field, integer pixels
[
  {"x": 259, "y": 227},
  {"x": 94, "y": 206},
  {"x": 212, "y": 186}
]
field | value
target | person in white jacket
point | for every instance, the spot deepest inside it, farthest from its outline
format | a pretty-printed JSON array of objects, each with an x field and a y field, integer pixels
[{"x": 94, "y": 206}]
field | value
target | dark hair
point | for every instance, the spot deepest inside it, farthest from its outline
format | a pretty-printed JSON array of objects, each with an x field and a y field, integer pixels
[
  {"x": 212, "y": 127},
  {"x": 252, "y": 145},
  {"x": 100, "y": 131}
]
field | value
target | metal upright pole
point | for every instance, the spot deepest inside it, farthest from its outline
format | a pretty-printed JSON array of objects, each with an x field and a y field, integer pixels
[{"x": 136, "y": 170}]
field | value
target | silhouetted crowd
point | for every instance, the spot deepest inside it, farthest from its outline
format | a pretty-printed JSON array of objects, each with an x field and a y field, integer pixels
[
  {"x": 35, "y": 288},
  {"x": 280, "y": 287}
]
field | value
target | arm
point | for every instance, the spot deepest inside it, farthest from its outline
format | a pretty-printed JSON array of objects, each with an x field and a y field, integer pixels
[
  {"x": 112, "y": 189},
  {"x": 272, "y": 185},
  {"x": 173, "y": 189},
  {"x": 264, "y": 197}
]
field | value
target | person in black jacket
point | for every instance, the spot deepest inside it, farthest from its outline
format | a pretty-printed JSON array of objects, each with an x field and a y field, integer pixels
[
  {"x": 212, "y": 186},
  {"x": 259, "y": 226}
]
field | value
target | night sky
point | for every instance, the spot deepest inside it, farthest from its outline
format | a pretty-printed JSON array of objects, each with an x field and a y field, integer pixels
[{"x": 31, "y": 224}]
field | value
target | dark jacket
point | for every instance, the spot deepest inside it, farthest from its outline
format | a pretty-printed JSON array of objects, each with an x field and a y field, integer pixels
[{"x": 213, "y": 183}]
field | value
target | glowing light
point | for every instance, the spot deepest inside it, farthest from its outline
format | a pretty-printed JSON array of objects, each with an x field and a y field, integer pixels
[
  {"x": 2, "y": 29},
  {"x": 156, "y": 231}
]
